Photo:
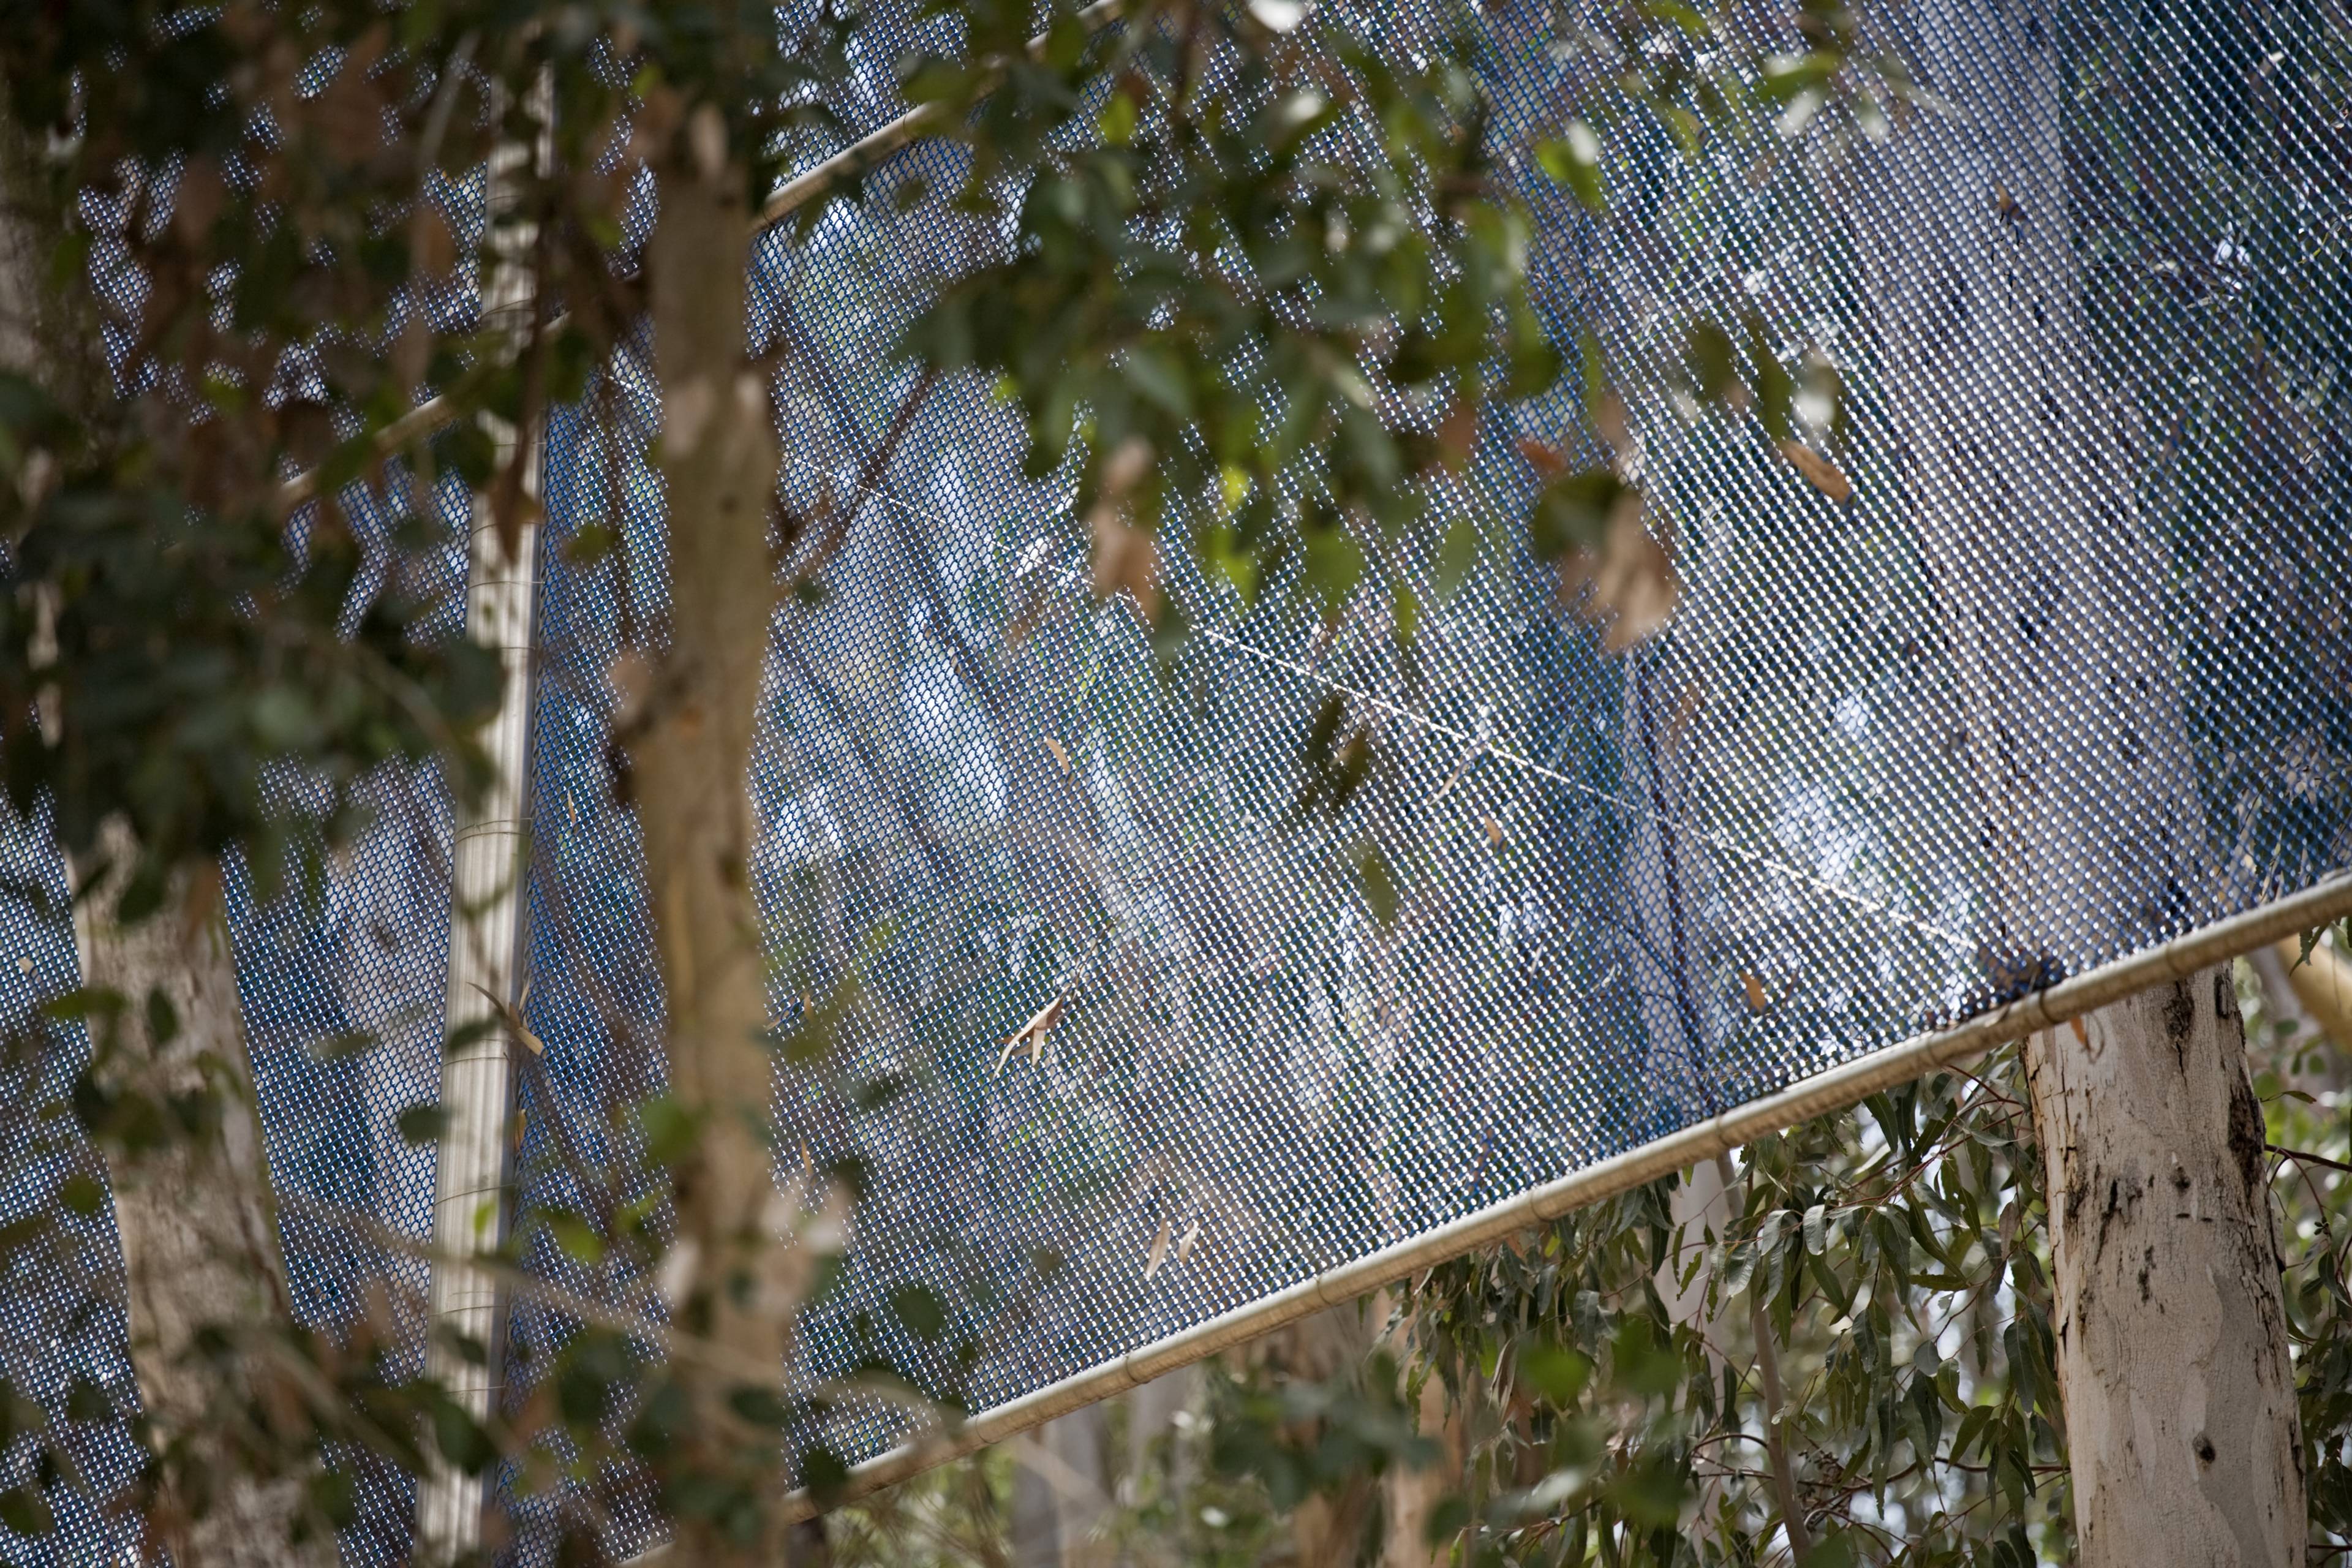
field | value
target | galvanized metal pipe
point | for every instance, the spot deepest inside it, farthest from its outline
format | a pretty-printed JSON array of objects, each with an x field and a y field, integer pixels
[
  {"x": 1834, "y": 1088},
  {"x": 487, "y": 865},
  {"x": 476, "y": 1084}
]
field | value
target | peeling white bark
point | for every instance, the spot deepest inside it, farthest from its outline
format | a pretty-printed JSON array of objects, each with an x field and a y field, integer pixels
[{"x": 2172, "y": 1351}]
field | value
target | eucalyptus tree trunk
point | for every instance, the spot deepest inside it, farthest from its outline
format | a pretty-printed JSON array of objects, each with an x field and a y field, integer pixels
[
  {"x": 200, "y": 1246},
  {"x": 2312, "y": 992},
  {"x": 690, "y": 751},
  {"x": 2171, "y": 1344},
  {"x": 1328, "y": 1526},
  {"x": 1411, "y": 1496},
  {"x": 1061, "y": 1493}
]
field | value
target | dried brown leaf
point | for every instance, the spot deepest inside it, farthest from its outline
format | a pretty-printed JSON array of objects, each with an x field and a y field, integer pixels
[
  {"x": 1549, "y": 460},
  {"x": 1158, "y": 1254},
  {"x": 1610, "y": 420},
  {"x": 1061, "y": 756},
  {"x": 1493, "y": 831},
  {"x": 511, "y": 1016},
  {"x": 1127, "y": 558},
  {"x": 1188, "y": 1241},
  {"x": 1457, "y": 433},
  {"x": 412, "y": 352},
  {"x": 1630, "y": 586},
  {"x": 1033, "y": 1032},
  {"x": 1127, "y": 561},
  {"x": 432, "y": 249},
  {"x": 2081, "y": 1036},
  {"x": 1685, "y": 709},
  {"x": 1758, "y": 999},
  {"x": 1819, "y": 471}
]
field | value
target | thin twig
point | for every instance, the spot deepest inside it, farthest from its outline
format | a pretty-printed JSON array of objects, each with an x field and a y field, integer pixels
[
  {"x": 1768, "y": 1367},
  {"x": 851, "y": 163},
  {"x": 2308, "y": 1158}
]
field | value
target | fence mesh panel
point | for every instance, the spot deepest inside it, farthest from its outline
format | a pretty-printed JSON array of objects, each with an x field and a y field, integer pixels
[{"x": 2065, "y": 676}]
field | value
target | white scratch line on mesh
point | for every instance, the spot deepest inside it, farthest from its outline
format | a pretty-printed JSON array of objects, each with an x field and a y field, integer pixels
[{"x": 1714, "y": 840}]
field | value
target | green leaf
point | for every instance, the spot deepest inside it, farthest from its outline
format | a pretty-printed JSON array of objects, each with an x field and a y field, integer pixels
[
  {"x": 1457, "y": 552},
  {"x": 1640, "y": 1365},
  {"x": 669, "y": 1129},
  {"x": 163, "y": 1018},
  {"x": 1159, "y": 377},
  {"x": 1335, "y": 565},
  {"x": 81, "y": 1194},
  {"x": 576, "y": 1236},
  {"x": 1572, "y": 159},
  {"x": 1376, "y": 881},
  {"x": 1649, "y": 1490},
  {"x": 463, "y": 1441},
  {"x": 1832, "y": 1551},
  {"x": 921, "y": 1311},
  {"x": 1713, "y": 363},
  {"x": 1573, "y": 511},
  {"x": 1115, "y": 123},
  {"x": 86, "y": 1401},
  {"x": 1554, "y": 1372},
  {"x": 822, "y": 1472},
  {"x": 25, "y": 1513},
  {"x": 335, "y": 1496},
  {"x": 761, "y": 1406},
  {"x": 422, "y": 1123}
]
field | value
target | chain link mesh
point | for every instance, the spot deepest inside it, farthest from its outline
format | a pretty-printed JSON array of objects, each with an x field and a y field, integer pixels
[{"x": 2064, "y": 675}]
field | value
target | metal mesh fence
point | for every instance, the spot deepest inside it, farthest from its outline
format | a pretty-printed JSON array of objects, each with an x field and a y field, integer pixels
[{"x": 2063, "y": 677}]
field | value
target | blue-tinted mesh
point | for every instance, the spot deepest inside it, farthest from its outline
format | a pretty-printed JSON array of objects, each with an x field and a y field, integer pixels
[{"x": 2067, "y": 676}]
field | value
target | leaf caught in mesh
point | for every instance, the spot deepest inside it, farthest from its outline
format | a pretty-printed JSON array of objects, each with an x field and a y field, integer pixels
[
  {"x": 1033, "y": 1032},
  {"x": 511, "y": 1016},
  {"x": 1060, "y": 755},
  {"x": 1758, "y": 999},
  {"x": 1819, "y": 471},
  {"x": 1549, "y": 460},
  {"x": 1158, "y": 1254},
  {"x": 1377, "y": 883},
  {"x": 1187, "y": 1242}
]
